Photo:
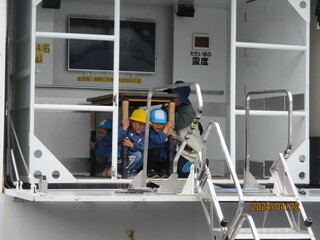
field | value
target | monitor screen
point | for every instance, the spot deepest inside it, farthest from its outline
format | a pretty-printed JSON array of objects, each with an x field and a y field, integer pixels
[{"x": 137, "y": 46}]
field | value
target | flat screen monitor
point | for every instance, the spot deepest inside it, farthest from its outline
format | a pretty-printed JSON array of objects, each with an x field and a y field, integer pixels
[{"x": 137, "y": 46}]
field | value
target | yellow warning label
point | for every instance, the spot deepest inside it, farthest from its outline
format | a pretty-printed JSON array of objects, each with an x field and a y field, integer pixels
[
  {"x": 39, "y": 58},
  {"x": 42, "y": 47},
  {"x": 130, "y": 80},
  {"x": 108, "y": 79},
  {"x": 94, "y": 79}
]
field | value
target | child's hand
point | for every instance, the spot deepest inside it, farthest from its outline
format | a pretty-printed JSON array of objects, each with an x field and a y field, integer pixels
[
  {"x": 172, "y": 133},
  {"x": 168, "y": 127},
  {"x": 125, "y": 124},
  {"x": 127, "y": 143},
  {"x": 92, "y": 145},
  {"x": 170, "y": 124},
  {"x": 165, "y": 106}
]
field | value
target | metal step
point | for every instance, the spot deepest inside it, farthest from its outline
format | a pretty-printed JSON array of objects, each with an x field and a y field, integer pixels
[{"x": 273, "y": 234}]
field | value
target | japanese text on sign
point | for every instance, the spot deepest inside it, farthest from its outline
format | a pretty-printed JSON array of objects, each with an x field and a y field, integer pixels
[
  {"x": 39, "y": 58},
  {"x": 107, "y": 79},
  {"x": 42, "y": 47},
  {"x": 200, "y": 58}
]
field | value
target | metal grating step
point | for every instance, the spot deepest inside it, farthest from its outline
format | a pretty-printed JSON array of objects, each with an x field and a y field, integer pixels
[{"x": 273, "y": 234}]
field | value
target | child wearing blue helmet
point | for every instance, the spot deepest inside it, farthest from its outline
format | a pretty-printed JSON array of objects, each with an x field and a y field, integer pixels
[
  {"x": 103, "y": 147},
  {"x": 159, "y": 131}
]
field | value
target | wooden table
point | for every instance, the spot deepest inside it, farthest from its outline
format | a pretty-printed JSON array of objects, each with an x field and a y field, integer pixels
[{"x": 136, "y": 100}]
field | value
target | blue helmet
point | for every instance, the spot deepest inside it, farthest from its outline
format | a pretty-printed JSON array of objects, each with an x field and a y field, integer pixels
[
  {"x": 158, "y": 116},
  {"x": 106, "y": 124}
]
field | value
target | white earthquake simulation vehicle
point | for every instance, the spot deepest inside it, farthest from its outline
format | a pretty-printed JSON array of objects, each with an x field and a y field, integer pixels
[{"x": 68, "y": 64}]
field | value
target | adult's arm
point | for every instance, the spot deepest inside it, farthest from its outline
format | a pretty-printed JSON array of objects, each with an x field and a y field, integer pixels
[{"x": 184, "y": 117}]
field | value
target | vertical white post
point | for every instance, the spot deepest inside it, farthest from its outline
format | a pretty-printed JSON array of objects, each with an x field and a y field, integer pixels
[
  {"x": 3, "y": 37},
  {"x": 306, "y": 96},
  {"x": 34, "y": 4},
  {"x": 233, "y": 62},
  {"x": 116, "y": 53},
  {"x": 307, "y": 89},
  {"x": 33, "y": 64}
]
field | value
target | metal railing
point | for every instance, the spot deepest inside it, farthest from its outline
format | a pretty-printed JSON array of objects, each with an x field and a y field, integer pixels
[
  {"x": 247, "y": 113},
  {"x": 239, "y": 224},
  {"x": 191, "y": 128},
  {"x": 204, "y": 175}
]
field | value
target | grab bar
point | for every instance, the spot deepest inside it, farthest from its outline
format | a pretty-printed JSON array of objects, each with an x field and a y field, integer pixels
[
  {"x": 231, "y": 169},
  {"x": 192, "y": 126},
  {"x": 247, "y": 111}
]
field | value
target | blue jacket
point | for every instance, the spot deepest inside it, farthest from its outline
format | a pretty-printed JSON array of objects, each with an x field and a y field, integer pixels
[
  {"x": 136, "y": 139},
  {"x": 158, "y": 140},
  {"x": 104, "y": 147}
]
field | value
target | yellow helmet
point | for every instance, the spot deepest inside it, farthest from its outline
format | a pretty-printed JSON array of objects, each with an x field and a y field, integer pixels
[{"x": 139, "y": 115}]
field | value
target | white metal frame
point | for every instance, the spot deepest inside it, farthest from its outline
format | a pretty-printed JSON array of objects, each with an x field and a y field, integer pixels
[
  {"x": 48, "y": 162},
  {"x": 3, "y": 38},
  {"x": 234, "y": 45},
  {"x": 54, "y": 163}
]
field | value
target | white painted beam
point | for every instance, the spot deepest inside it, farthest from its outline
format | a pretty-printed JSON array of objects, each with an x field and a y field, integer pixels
[
  {"x": 69, "y": 107},
  {"x": 271, "y": 113},
  {"x": 3, "y": 37},
  {"x": 270, "y": 46},
  {"x": 79, "y": 36}
]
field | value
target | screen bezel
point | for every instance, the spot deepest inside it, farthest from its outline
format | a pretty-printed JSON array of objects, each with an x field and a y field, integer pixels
[
  {"x": 111, "y": 71},
  {"x": 194, "y": 35}
]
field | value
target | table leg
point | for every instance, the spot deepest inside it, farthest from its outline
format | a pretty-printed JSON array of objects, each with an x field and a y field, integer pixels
[
  {"x": 125, "y": 115},
  {"x": 93, "y": 139},
  {"x": 171, "y": 140}
]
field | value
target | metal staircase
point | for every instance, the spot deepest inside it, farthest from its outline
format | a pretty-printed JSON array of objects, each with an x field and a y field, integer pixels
[
  {"x": 284, "y": 196},
  {"x": 208, "y": 194},
  {"x": 200, "y": 183}
]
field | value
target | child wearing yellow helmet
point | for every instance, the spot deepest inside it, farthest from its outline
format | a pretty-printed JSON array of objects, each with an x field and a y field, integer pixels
[{"x": 131, "y": 135}]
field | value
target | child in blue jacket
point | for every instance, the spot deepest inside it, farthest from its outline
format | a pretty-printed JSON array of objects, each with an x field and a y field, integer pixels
[
  {"x": 103, "y": 147},
  {"x": 131, "y": 135},
  {"x": 158, "y": 139}
]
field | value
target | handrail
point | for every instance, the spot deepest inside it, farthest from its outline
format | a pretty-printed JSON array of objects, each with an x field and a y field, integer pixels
[
  {"x": 231, "y": 169},
  {"x": 247, "y": 110},
  {"x": 251, "y": 225},
  {"x": 18, "y": 145},
  {"x": 192, "y": 126},
  {"x": 284, "y": 185},
  {"x": 15, "y": 168}
]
